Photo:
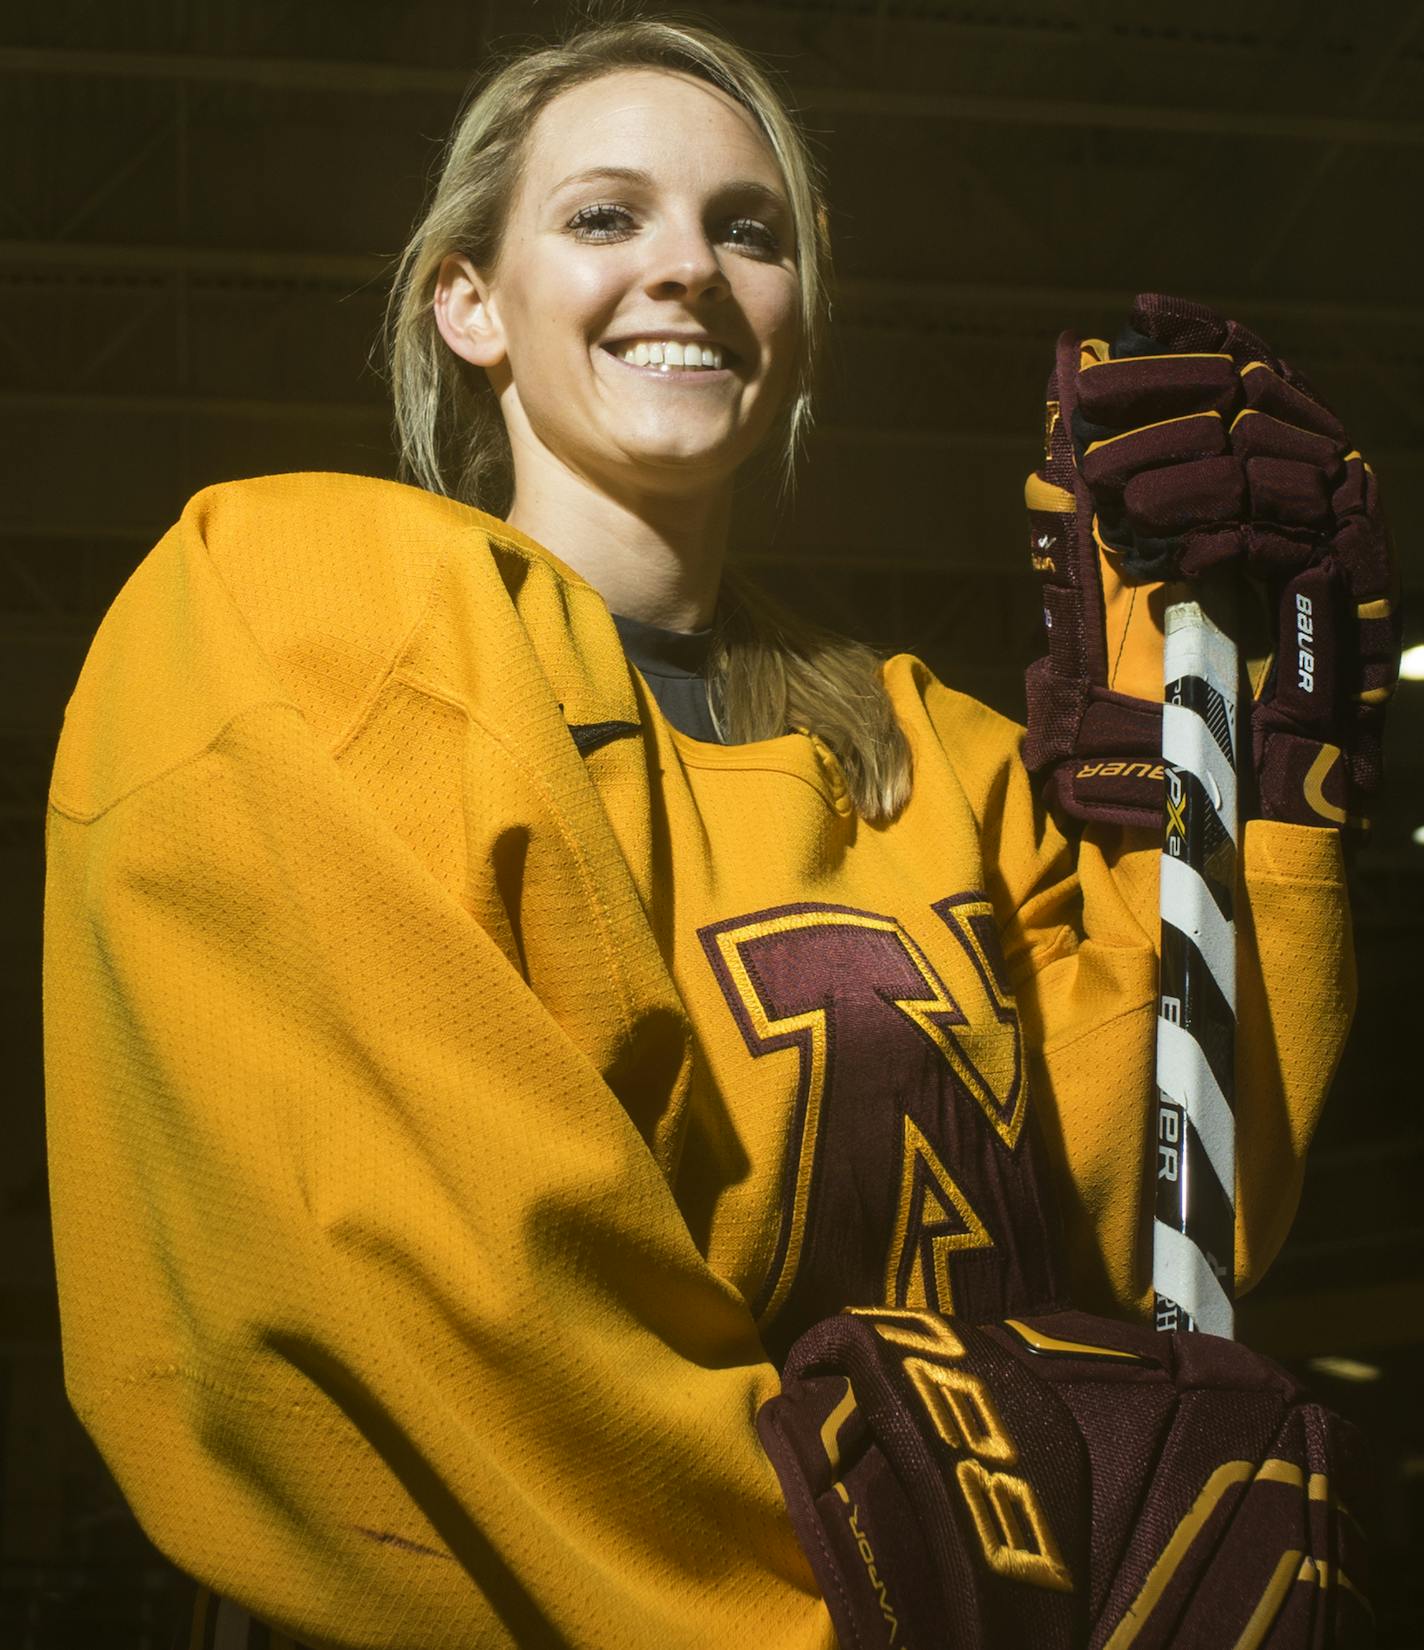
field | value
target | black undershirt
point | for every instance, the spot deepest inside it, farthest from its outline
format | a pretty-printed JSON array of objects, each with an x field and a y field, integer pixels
[{"x": 674, "y": 663}]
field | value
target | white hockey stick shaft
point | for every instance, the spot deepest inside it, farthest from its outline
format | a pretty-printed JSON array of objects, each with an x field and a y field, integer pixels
[{"x": 1193, "y": 1231}]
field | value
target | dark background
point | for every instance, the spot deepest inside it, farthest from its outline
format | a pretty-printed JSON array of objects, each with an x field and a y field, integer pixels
[{"x": 199, "y": 200}]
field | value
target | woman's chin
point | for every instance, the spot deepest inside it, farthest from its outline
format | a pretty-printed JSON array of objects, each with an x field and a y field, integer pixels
[{"x": 679, "y": 466}]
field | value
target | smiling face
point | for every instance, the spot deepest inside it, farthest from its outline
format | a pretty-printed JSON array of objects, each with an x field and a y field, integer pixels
[{"x": 650, "y": 208}]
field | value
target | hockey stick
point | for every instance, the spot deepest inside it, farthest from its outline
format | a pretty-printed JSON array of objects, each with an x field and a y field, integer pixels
[{"x": 1194, "y": 1229}]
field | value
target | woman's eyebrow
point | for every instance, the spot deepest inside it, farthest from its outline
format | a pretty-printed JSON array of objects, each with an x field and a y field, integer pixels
[
  {"x": 744, "y": 187},
  {"x": 624, "y": 174}
]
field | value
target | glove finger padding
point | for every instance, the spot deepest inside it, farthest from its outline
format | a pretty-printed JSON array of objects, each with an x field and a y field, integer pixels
[
  {"x": 1184, "y": 447},
  {"x": 1067, "y": 1482}
]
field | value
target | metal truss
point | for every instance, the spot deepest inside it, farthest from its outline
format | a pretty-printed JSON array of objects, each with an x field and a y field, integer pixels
[
  {"x": 376, "y": 416},
  {"x": 268, "y": 410},
  {"x": 909, "y": 305},
  {"x": 382, "y": 79}
]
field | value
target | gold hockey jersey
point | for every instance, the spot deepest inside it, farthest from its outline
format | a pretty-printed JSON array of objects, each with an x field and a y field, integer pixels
[{"x": 460, "y": 1082}]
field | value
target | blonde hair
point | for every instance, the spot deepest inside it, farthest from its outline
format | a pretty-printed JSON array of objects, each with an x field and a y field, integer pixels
[{"x": 770, "y": 670}]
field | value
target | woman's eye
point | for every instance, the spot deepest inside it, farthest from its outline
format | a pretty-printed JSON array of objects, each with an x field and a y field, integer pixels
[
  {"x": 607, "y": 222},
  {"x": 755, "y": 236},
  {"x": 601, "y": 223}
]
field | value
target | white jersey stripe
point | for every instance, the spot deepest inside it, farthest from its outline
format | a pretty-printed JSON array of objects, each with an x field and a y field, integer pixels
[{"x": 232, "y": 1626}]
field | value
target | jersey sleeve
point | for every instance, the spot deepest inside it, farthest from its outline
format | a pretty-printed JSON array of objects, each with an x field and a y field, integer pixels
[
  {"x": 1080, "y": 930},
  {"x": 373, "y": 1296}
]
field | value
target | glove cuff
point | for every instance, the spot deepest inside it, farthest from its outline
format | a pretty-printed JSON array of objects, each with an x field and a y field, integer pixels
[
  {"x": 926, "y": 1477},
  {"x": 851, "y": 1515},
  {"x": 1302, "y": 781}
]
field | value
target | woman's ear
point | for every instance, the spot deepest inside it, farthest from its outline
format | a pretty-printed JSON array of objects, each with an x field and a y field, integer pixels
[{"x": 465, "y": 314}]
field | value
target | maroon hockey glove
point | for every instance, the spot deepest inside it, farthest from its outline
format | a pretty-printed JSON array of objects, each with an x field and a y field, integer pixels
[
  {"x": 1185, "y": 446},
  {"x": 1065, "y": 1482}
]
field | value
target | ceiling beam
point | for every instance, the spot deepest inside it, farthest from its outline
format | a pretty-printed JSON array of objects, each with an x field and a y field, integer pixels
[
  {"x": 392, "y": 79},
  {"x": 260, "y": 410},
  {"x": 896, "y": 296},
  {"x": 1077, "y": 114},
  {"x": 377, "y": 414},
  {"x": 335, "y": 269},
  {"x": 273, "y": 73},
  {"x": 889, "y": 297}
]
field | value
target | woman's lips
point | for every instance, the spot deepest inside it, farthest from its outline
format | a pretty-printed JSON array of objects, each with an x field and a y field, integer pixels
[{"x": 667, "y": 374}]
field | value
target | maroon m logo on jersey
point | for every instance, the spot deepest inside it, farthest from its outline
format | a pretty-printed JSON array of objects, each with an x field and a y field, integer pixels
[{"x": 909, "y": 1178}]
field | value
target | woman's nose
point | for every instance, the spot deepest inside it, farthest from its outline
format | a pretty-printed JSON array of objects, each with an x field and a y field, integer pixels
[{"x": 685, "y": 264}]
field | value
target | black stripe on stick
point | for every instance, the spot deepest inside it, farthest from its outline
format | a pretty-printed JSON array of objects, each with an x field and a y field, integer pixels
[
  {"x": 1168, "y": 1316},
  {"x": 1197, "y": 694},
  {"x": 1190, "y": 1197},
  {"x": 1190, "y": 996},
  {"x": 1205, "y": 845}
]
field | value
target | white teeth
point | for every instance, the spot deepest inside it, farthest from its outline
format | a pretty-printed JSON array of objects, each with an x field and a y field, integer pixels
[{"x": 667, "y": 354}]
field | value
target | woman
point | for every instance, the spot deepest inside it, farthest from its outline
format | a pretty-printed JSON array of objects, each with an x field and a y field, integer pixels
[{"x": 473, "y": 1061}]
